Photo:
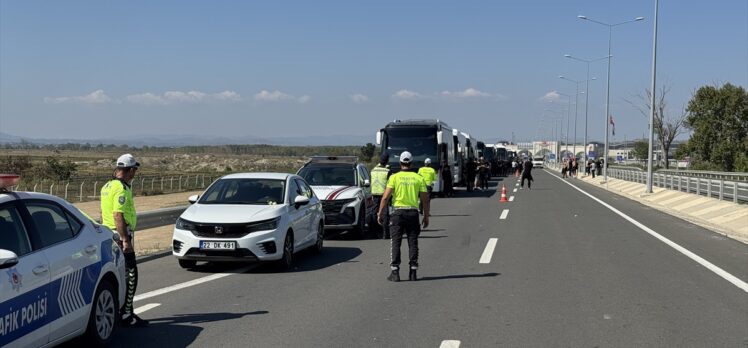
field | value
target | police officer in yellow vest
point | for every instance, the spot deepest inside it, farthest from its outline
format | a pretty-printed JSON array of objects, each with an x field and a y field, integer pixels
[
  {"x": 429, "y": 175},
  {"x": 405, "y": 187},
  {"x": 379, "y": 176},
  {"x": 118, "y": 213}
]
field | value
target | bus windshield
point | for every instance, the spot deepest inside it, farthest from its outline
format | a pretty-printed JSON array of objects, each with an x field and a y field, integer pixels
[{"x": 420, "y": 142}]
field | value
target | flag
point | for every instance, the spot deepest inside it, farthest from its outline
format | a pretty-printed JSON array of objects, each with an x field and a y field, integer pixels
[{"x": 613, "y": 124}]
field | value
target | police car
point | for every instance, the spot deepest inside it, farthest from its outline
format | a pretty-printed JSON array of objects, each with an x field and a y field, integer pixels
[{"x": 61, "y": 275}]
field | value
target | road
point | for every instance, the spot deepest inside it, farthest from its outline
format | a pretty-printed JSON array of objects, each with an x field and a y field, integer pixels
[{"x": 566, "y": 271}]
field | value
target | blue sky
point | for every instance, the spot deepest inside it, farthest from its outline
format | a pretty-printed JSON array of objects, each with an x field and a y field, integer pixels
[{"x": 88, "y": 69}]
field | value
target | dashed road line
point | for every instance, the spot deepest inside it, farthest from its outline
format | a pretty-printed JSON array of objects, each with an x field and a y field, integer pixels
[
  {"x": 191, "y": 283},
  {"x": 145, "y": 308},
  {"x": 488, "y": 251},
  {"x": 710, "y": 266},
  {"x": 450, "y": 344},
  {"x": 515, "y": 190},
  {"x": 504, "y": 214},
  {"x": 511, "y": 199}
]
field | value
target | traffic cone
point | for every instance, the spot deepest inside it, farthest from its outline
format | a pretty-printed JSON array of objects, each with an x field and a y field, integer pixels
[{"x": 503, "y": 194}]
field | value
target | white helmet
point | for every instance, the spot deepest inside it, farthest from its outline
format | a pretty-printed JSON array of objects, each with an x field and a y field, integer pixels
[
  {"x": 127, "y": 161},
  {"x": 427, "y": 161}
]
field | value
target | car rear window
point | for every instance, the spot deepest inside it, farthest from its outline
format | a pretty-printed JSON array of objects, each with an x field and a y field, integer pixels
[{"x": 329, "y": 175}]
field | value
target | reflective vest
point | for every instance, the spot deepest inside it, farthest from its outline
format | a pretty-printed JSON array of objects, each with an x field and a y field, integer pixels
[
  {"x": 379, "y": 180},
  {"x": 116, "y": 196}
]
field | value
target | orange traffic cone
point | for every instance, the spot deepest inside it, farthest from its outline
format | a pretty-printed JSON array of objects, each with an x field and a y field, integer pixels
[{"x": 503, "y": 194}]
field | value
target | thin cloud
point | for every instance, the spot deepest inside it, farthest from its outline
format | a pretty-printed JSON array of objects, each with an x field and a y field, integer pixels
[
  {"x": 96, "y": 97},
  {"x": 179, "y": 97},
  {"x": 550, "y": 97},
  {"x": 405, "y": 94},
  {"x": 278, "y": 96},
  {"x": 359, "y": 98},
  {"x": 467, "y": 93}
]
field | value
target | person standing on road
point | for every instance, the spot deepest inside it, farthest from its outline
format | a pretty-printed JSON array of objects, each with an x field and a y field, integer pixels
[
  {"x": 447, "y": 179},
  {"x": 471, "y": 168},
  {"x": 429, "y": 175},
  {"x": 526, "y": 174},
  {"x": 593, "y": 168},
  {"x": 405, "y": 187},
  {"x": 379, "y": 176},
  {"x": 514, "y": 167},
  {"x": 118, "y": 214}
]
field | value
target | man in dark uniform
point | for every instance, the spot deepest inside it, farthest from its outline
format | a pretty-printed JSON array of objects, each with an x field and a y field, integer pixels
[{"x": 526, "y": 174}]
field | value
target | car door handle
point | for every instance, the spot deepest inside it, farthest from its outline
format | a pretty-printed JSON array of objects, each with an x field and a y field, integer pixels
[
  {"x": 90, "y": 249},
  {"x": 40, "y": 270}
]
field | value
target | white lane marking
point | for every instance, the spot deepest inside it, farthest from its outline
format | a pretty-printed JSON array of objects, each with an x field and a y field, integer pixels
[
  {"x": 511, "y": 199},
  {"x": 450, "y": 344},
  {"x": 710, "y": 266},
  {"x": 190, "y": 283},
  {"x": 515, "y": 190},
  {"x": 146, "y": 308},
  {"x": 517, "y": 184},
  {"x": 504, "y": 214},
  {"x": 488, "y": 251}
]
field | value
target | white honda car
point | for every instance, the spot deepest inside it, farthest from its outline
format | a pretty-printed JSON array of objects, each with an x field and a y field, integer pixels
[
  {"x": 250, "y": 217},
  {"x": 343, "y": 185}
]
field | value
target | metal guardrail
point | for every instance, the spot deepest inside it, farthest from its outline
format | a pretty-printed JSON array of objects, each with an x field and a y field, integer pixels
[
  {"x": 160, "y": 217},
  {"x": 725, "y": 190},
  {"x": 722, "y": 189}
]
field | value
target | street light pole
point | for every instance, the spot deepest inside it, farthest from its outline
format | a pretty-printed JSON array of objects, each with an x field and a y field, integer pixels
[
  {"x": 568, "y": 120},
  {"x": 585, "y": 113},
  {"x": 650, "y": 151},
  {"x": 607, "y": 97},
  {"x": 587, "y": 96}
]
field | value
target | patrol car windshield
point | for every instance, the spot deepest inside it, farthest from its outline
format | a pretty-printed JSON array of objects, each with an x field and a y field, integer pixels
[
  {"x": 245, "y": 191},
  {"x": 420, "y": 142},
  {"x": 329, "y": 175}
]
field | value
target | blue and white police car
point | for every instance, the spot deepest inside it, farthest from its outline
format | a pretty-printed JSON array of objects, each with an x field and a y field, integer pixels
[{"x": 61, "y": 275}]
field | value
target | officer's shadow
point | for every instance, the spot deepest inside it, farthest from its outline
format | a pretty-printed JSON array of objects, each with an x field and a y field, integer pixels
[
  {"x": 179, "y": 330},
  {"x": 460, "y": 276}
]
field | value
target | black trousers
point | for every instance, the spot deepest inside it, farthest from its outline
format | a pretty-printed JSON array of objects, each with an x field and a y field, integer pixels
[
  {"x": 529, "y": 181},
  {"x": 405, "y": 222}
]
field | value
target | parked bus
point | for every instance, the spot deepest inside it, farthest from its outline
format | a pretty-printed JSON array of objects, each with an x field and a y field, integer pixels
[{"x": 423, "y": 139}]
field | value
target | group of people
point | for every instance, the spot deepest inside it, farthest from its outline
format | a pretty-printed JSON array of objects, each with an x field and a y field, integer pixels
[
  {"x": 478, "y": 174},
  {"x": 571, "y": 165}
]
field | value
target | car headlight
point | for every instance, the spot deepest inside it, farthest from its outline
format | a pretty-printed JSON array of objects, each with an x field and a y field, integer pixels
[
  {"x": 186, "y": 225},
  {"x": 265, "y": 225}
]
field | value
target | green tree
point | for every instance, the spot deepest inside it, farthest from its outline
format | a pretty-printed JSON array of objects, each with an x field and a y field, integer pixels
[
  {"x": 56, "y": 170},
  {"x": 641, "y": 150},
  {"x": 666, "y": 127},
  {"x": 367, "y": 152},
  {"x": 718, "y": 117}
]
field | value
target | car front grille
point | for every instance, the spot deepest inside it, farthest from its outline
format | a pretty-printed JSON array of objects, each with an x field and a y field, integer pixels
[{"x": 220, "y": 230}]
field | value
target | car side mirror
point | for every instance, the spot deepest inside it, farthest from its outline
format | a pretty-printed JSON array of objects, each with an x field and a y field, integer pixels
[
  {"x": 192, "y": 199},
  {"x": 300, "y": 200},
  {"x": 8, "y": 259},
  {"x": 367, "y": 183}
]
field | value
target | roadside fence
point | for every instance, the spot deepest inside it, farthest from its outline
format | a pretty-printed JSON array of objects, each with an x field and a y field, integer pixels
[{"x": 89, "y": 189}]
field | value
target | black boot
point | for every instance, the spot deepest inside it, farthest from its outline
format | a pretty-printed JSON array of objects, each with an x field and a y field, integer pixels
[
  {"x": 394, "y": 276},
  {"x": 412, "y": 275}
]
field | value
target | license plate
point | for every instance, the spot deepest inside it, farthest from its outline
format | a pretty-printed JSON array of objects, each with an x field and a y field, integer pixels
[{"x": 212, "y": 245}]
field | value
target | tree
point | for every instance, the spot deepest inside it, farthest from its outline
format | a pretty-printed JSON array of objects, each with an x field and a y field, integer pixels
[
  {"x": 666, "y": 128},
  {"x": 641, "y": 150},
  {"x": 367, "y": 152},
  {"x": 718, "y": 117},
  {"x": 57, "y": 170}
]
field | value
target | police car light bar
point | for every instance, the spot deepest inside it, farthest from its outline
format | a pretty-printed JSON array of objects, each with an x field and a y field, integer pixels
[{"x": 8, "y": 181}]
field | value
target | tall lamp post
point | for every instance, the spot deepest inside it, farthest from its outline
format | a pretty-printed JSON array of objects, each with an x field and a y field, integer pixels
[
  {"x": 584, "y": 146},
  {"x": 587, "y": 95},
  {"x": 556, "y": 131},
  {"x": 568, "y": 121},
  {"x": 652, "y": 102},
  {"x": 607, "y": 96}
]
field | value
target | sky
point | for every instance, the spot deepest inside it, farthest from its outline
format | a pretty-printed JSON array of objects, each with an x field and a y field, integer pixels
[{"x": 98, "y": 69}]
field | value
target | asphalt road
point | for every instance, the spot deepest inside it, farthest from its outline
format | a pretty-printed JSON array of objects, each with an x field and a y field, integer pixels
[{"x": 565, "y": 272}]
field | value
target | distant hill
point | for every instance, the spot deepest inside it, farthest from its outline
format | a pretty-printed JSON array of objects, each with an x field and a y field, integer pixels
[{"x": 189, "y": 140}]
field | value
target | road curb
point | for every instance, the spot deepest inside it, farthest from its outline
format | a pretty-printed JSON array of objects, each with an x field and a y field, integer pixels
[{"x": 151, "y": 257}]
